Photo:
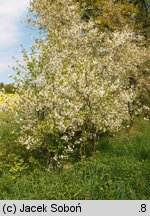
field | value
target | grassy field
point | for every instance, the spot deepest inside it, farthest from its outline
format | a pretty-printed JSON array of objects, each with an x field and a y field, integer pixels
[{"x": 120, "y": 169}]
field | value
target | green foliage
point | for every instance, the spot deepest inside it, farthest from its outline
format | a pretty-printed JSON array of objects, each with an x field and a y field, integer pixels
[
  {"x": 14, "y": 158},
  {"x": 143, "y": 17},
  {"x": 9, "y": 88},
  {"x": 109, "y": 15},
  {"x": 137, "y": 145},
  {"x": 10, "y": 153},
  {"x": 96, "y": 178},
  {"x": 119, "y": 170}
]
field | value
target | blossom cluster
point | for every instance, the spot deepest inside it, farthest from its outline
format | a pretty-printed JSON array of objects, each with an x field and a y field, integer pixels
[{"x": 76, "y": 84}]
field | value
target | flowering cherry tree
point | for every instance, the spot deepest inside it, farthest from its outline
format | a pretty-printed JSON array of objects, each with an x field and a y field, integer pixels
[{"x": 76, "y": 83}]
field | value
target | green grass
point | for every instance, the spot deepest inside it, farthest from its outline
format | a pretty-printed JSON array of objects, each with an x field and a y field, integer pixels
[
  {"x": 134, "y": 143},
  {"x": 120, "y": 169}
]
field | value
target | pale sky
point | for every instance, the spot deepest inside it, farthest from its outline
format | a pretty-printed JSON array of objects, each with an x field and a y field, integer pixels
[{"x": 13, "y": 32}]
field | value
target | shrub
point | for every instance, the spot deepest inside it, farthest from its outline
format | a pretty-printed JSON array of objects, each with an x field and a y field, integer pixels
[{"x": 77, "y": 84}]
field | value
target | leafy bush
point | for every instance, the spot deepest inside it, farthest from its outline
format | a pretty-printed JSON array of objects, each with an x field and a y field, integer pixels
[{"x": 14, "y": 158}]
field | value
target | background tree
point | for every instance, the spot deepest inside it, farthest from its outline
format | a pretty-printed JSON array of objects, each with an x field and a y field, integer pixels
[
  {"x": 9, "y": 88},
  {"x": 108, "y": 15},
  {"x": 143, "y": 16}
]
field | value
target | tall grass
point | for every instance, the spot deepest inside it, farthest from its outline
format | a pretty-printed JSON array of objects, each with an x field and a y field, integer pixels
[{"x": 120, "y": 169}]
